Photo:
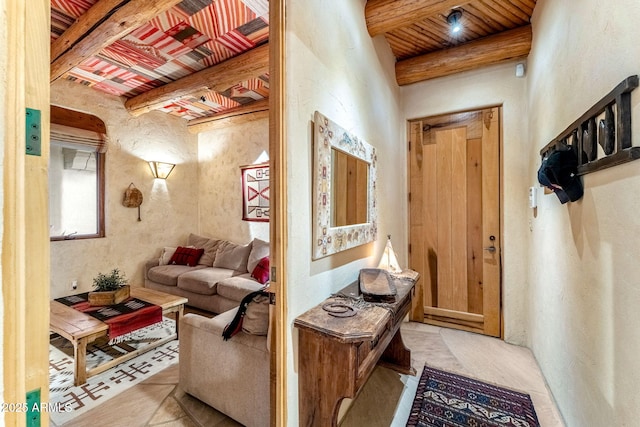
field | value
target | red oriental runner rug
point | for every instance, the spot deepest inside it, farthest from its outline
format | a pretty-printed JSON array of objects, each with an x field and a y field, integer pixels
[{"x": 122, "y": 318}]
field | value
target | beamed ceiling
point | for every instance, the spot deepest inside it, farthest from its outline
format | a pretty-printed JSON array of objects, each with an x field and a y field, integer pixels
[
  {"x": 196, "y": 59},
  {"x": 203, "y": 60},
  {"x": 424, "y": 46}
]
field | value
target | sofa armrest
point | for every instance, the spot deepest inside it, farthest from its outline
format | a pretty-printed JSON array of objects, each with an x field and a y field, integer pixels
[
  {"x": 215, "y": 325},
  {"x": 149, "y": 265},
  {"x": 232, "y": 376}
]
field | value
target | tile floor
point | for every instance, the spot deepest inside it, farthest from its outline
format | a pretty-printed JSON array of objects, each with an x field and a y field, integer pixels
[
  {"x": 384, "y": 401},
  {"x": 387, "y": 397}
]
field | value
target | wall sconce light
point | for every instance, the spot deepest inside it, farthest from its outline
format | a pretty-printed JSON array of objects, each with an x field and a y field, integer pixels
[
  {"x": 161, "y": 170},
  {"x": 453, "y": 19}
]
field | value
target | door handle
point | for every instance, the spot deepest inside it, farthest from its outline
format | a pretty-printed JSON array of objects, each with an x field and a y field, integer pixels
[{"x": 491, "y": 248}]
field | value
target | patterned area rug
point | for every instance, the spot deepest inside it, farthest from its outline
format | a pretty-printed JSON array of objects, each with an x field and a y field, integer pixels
[
  {"x": 73, "y": 401},
  {"x": 448, "y": 400}
]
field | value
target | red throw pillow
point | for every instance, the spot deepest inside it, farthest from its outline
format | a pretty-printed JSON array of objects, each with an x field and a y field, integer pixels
[
  {"x": 261, "y": 272},
  {"x": 186, "y": 256}
]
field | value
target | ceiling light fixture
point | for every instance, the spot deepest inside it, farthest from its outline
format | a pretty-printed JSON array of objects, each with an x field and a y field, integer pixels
[{"x": 453, "y": 19}]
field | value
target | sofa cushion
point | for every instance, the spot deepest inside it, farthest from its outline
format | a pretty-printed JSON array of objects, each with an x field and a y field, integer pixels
[
  {"x": 210, "y": 246},
  {"x": 261, "y": 271},
  {"x": 186, "y": 256},
  {"x": 237, "y": 287},
  {"x": 165, "y": 255},
  {"x": 232, "y": 256},
  {"x": 256, "y": 318},
  {"x": 259, "y": 250},
  {"x": 168, "y": 274},
  {"x": 203, "y": 281}
]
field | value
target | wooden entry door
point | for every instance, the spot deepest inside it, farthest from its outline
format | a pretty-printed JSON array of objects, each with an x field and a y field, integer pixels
[{"x": 455, "y": 220}]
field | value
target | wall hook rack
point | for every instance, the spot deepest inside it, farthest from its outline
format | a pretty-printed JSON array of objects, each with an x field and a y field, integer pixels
[{"x": 607, "y": 124}]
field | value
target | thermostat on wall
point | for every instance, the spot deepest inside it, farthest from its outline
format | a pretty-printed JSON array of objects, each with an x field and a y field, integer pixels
[{"x": 533, "y": 197}]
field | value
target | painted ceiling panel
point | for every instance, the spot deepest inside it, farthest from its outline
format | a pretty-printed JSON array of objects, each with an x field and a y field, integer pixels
[{"x": 191, "y": 36}]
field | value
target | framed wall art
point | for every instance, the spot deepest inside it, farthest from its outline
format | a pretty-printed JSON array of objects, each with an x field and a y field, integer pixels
[
  {"x": 344, "y": 189},
  {"x": 255, "y": 192}
]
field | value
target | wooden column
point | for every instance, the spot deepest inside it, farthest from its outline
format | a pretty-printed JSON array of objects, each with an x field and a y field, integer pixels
[
  {"x": 25, "y": 238},
  {"x": 278, "y": 228}
]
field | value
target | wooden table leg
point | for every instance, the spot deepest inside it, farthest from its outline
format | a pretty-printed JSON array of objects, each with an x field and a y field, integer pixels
[
  {"x": 397, "y": 356},
  {"x": 179, "y": 315},
  {"x": 80, "y": 358},
  {"x": 326, "y": 375}
]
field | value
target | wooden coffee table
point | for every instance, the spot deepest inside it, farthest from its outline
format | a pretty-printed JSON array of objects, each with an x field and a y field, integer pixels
[{"x": 81, "y": 329}]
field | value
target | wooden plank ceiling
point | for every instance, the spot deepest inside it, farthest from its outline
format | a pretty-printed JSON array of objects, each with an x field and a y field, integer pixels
[
  {"x": 207, "y": 59},
  {"x": 195, "y": 59},
  {"x": 425, "y": 47}
]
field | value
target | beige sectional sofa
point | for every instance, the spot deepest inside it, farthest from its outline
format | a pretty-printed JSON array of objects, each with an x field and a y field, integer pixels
[
  {"x": 219, "y": 280},
  {"x": 231, "y": 376}
]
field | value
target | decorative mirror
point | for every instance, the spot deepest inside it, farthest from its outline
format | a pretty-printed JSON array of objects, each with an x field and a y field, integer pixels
[{"x": 344, "y": 182}]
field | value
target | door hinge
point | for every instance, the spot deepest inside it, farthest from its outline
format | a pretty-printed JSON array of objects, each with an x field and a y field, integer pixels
[
  {"x": 409, "y": 196},
  {"x": 409, "y": 145},
  {"x": 272, "y": 276},
  {"x": 33, "y": 408},
  {"x": 272, "y": 298},
  {"x": 409, "y": 248},
  {"x": 33, "y": 133}
]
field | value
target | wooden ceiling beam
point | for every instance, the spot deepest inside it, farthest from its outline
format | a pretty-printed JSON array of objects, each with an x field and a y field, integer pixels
[
  {"x": 81, "y": 27},
  {"x": 500, "y": 47},
  {"x": 77, "y": 119},
  {"x": 383, "y": 16},
  {"x": 82, "y": 42},
  {"x": 219, "y": 78},
  {"x": 242, "y": 114}
]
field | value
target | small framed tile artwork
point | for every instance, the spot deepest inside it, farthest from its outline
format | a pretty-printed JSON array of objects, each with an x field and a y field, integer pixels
[{"x": 255, "y": 192}]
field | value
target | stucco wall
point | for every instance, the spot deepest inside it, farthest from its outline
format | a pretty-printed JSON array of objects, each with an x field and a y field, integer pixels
[
  {"x": 333, "y": 66},
  {"x": 584, "y": 287},
  {"x": 221, "y": 152},
  {"x": 169, "y": 210},
  {"x": 495, "y": 85}
]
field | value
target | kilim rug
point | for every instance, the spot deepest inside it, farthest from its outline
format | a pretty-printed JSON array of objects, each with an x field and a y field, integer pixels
[
  {"x": 71, "y": 401},
  {"x": 122, "y": 318},
  {"x": 444, "y": 399}
]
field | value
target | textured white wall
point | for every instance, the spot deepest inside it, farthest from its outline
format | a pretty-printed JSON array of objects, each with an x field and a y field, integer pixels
[
  {"x": 333, "y": 66},
  {"x": 584, "y": 287},
  {"x": 495, "y": 85},
  {"x": 221, "y": 152},
  {"x": 169, "y": 210}
]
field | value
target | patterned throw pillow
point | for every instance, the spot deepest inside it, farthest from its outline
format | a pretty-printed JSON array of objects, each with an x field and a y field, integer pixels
[
  {"x": 261, "y": 271},
  {"x": 186, "y": 256}
]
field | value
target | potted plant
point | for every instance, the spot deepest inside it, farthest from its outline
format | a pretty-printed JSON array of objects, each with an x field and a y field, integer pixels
[{"x": 109, "y": 289}]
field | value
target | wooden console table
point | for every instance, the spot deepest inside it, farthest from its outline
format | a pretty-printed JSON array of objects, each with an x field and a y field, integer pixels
[{"x": 336, "y": 355}]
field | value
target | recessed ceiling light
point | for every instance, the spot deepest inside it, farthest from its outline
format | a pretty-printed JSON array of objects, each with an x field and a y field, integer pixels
[{"x": 453, "y": 19}]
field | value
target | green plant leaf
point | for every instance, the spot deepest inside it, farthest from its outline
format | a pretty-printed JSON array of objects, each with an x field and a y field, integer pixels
[{"x": 111, "y": 282}]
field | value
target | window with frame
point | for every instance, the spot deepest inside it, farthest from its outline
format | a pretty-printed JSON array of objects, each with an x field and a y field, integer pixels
[{"x": 76, "y": 175}]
